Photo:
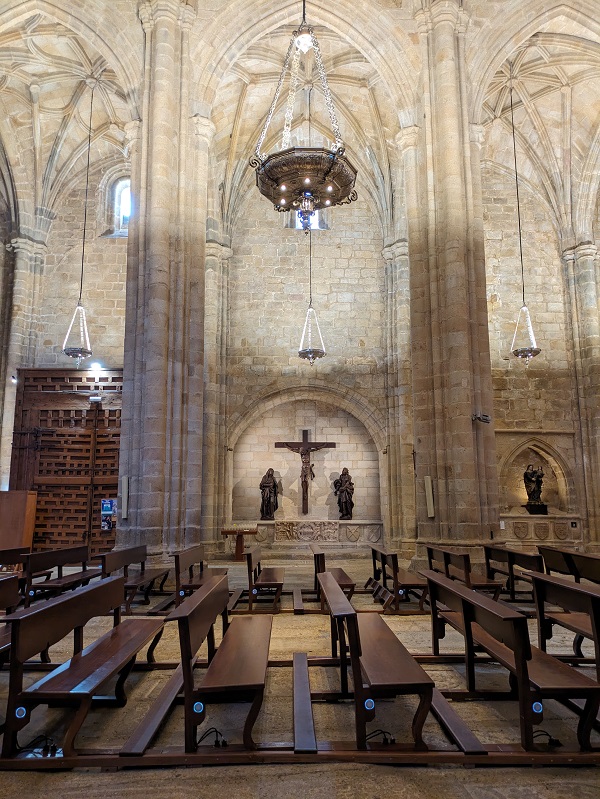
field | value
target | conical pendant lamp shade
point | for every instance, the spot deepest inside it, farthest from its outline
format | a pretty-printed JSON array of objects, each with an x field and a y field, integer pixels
[
  {"x": 523, "y": 343},
  {"x": 311, "y": 344},
  {"x": 77, "y": 341}
]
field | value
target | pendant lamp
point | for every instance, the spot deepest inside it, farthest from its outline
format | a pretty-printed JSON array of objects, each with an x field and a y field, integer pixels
[
  {"x": 311, "y": 344},
  {"x": 77, "y": 341}
]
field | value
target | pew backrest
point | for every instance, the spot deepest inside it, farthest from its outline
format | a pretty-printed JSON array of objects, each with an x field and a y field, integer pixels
[
  {"x": 187, "y": 559},
  {"x": 9, "y": 592},
  {"x": 588, "y": 566},
  {"x": 557, "y": 560},
  {"x": 118, "y": 559},
  {"x": 57, "y": 558},
  {"x": 37, "y": 628}
]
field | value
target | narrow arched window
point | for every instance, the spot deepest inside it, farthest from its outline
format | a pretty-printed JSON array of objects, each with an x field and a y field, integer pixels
[{"x": 122, "y": 206}]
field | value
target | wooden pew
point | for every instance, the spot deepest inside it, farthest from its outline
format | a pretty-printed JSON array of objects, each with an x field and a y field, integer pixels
[
  {"x": 259, "y": 579},
  {"x": 558, "y": 559},
  {"x": 191, "y": 573},
  {"x": 36, "y": 562},
  {"x": 9, "y": 599},
  {"x": 579, "y": 611},
  {"x": 403, "y": 582},
  {"x": 382, "y": 668},
  {"x": 513, "y": 564},
  {"x": 11, "y": 562},
  {"x": 136, "y": 580},
  {"x": 237, "y": 669},
  {"x": 587, "y": 566},
  {"x": 74, "y": 684},
  {"x": 457, "y": 566},
  {"x": 346, "y": 583},
  {"x": 503, "y": 634}
]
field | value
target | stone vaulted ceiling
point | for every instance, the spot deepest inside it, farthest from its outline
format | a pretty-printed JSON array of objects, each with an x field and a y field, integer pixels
[{"x": 46, "y": 75}]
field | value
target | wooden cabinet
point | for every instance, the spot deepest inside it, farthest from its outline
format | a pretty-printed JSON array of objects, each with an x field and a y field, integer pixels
[{"x": 17, "y": 518}]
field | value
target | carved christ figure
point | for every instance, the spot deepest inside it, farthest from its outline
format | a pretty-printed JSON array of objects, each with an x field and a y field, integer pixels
[{"x": 304, "y": 448}]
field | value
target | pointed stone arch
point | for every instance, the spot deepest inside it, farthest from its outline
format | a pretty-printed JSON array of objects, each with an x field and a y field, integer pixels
[{"x": 565, "y": 483}]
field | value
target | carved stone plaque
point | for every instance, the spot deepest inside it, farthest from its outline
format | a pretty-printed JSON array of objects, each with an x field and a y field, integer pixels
[
  {"x": 352, "y": 533},
  {"x": 306, "y": 531},
  {"x": 561, "y": 530},
  {"x": 521, "y": 529},
  {"x": 373, "y": 533},
  {"x": 541, "y": 530}
]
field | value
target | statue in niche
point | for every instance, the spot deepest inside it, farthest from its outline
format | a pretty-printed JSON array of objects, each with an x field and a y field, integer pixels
[
  {"x": 268, "y": 496},
  {"x": 533, "y": 479},
  {"x": 344, "y": 491}
]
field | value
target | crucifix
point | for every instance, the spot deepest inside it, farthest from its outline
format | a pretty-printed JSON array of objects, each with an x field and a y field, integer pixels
[{"x": 305, "y": 447}]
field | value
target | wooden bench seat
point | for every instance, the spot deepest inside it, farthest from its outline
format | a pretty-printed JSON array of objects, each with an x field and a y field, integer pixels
[
  {"x": 380, "y": 664},
  {"x": 574, "y": 606},
  {"x": 237, "y": 669},
  {"x": 136, "y": 580},
  {"x": 74, "y": 684},
  {"x": 502, "y": 633},
  {"x": 269, "y": 578},
  {"x": 513, "y": 564},
  {"x": 346, "y": 583},
  {"x": 9, "y": 599},
  {"x": 41, "y": 562}
]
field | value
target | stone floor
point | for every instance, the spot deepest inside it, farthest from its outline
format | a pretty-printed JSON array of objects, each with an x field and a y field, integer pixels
[{"x": 492, "y": 722}]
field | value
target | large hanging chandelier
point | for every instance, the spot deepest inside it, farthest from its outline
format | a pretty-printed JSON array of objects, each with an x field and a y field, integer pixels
[
  {"x": 77, "y": 341},
  {"x": 523, "y": 344},
  {"x": 303, "y": 179},
  {"x": 311, "y": 344}
]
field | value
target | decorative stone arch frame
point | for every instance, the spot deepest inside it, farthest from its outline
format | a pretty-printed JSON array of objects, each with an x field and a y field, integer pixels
[
  {"x": 564, "y": 474},
  {"x": 111, "y": 184},
  {"x": 337, "y": 397}
]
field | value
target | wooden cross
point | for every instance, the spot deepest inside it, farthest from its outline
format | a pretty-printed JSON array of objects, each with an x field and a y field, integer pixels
[{"x": 305, "y": 447}]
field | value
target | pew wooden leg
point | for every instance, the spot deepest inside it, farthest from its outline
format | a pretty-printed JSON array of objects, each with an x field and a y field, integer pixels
[
  {"x": 120, "y": 695},
  {"x": 526, "y": 719},
  {"x": 75, "y": 725},
  {"x": 418, "y": 722},
  {"x": 586, "y": 722},
  {"x": 251, "y": 718},
  {"x": 150, "y": 655},
  {"x": 577, "y": 642}
]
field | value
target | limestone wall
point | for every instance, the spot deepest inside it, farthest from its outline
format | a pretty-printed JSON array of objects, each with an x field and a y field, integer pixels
[{"x": 103, "y": 288}]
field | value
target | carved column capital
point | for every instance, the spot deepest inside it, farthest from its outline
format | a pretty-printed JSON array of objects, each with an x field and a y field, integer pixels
[
  {"x": 585, "y": 250},
  {"x": 395, "y": 251},
  {"x": 27, "y": 246},
  {"x": 205, "y": 129},
  {"x": 477, "y": 134},
  {"x": 132, "y": 135},
  {"x": 145, "y": 15},
  {"x": 408, "y": 138}
]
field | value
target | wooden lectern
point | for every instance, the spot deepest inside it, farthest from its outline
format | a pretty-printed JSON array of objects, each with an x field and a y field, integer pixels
[
  {"x": 239, "y": 533},
  {"x": 17, "y": 518}
]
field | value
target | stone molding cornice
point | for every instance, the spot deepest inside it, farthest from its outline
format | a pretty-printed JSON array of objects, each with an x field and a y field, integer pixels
[
  {"x": 395, "y": 251},
  {"x": 440, "y": 12}
]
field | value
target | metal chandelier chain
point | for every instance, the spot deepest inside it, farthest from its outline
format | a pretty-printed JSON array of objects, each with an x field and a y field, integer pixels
[
  {"x": 289, "y": 111},
  {"x": 326, "y": 91},
  {"x": 261, "y": 138},
  {"x": 310, "y": 268}
]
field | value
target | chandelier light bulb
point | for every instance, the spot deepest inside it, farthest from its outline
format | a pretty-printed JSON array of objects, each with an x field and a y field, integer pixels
[{"x": 304, "y": 42}]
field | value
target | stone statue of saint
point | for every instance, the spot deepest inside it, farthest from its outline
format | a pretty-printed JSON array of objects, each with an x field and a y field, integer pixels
[
  {"x": 533, "y": 479},
  {"x": 268, "y": 496},
  {"x": 344, "y": 490}
]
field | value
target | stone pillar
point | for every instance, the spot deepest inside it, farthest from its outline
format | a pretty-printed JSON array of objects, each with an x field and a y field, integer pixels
[
  {"x": 213, "y": 508},
  {"x": 581, "y": 268},
  {"x": 28, "y": 262},
  {"x": 451, "y": 374},
  {"x": 400, "y": 521},
  {"x": 161, "y": 441}
]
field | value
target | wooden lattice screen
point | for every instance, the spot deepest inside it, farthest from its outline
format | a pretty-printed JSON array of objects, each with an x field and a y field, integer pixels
[{"x": 66, "y": 447}]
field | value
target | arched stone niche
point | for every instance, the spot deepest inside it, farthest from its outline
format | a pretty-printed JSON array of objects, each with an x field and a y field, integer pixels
[
  {"x": 254, "y": 452},
  {"x": 557, "y": 488}
]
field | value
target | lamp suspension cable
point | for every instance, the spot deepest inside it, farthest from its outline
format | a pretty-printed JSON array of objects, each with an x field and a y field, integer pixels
[
  {"x": 87, "y": 187},
  {"x": 309, "y": 268},
  {"x": 512, "y": 123}
]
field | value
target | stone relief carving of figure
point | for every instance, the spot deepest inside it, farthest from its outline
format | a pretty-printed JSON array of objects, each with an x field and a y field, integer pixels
[
  {"x": 533, "y": 479},
  {"x": 344, "y": 491},
  {"x": 268, "y": 496}
]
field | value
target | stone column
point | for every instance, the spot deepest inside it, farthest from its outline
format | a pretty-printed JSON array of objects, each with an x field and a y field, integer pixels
[
  {"x": 581, "y": 267},
  {"x": 451, "y": 379},
  {"x": 28, "y": 262},
  {"x": 162, "y": 434},
  {"x": 214, "y": 388},
  {"x": 400, "y": 522}
]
